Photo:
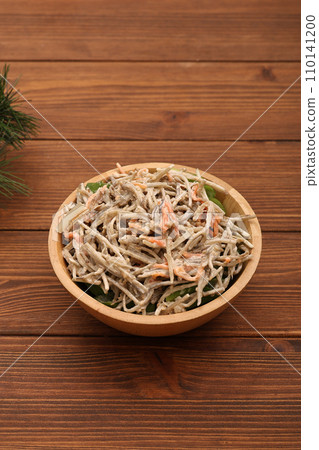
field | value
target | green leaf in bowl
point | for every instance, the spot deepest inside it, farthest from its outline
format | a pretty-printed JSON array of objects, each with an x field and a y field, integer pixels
[
  {"x": 97, "y": 293},
  {"x": 211, "y": 193},
  {"x": 95, "y": 186},
  {"x": 219, "y": 203},
  {"x": 171, "y": 297},
  {"x": 150, "y": 307}
]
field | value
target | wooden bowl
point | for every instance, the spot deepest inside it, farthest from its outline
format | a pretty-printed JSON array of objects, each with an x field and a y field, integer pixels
[{"x": 167, "y": 324}]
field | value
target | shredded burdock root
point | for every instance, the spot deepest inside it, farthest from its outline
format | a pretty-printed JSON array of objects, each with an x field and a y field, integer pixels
[{"x": 153, "y": 242}]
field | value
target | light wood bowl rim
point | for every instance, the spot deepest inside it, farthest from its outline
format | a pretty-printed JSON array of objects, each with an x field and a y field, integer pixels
[{"x": 58, "y": 264}]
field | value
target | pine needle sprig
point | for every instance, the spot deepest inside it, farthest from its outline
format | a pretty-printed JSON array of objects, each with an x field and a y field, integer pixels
[
  {"x": 15, "y": 128},
  {"x": 10, "y": 183}
]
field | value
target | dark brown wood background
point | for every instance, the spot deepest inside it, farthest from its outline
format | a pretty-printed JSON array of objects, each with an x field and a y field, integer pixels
[{"x": 153, "y": 81}]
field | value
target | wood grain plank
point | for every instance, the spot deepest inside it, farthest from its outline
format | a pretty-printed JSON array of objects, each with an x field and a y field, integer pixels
[
  {"x": 149, "y": 393},
  {"x": 150, "y": 30},
  {"x": 190, "y": 101},
  {"x": 266, "y": 173},
  {"x": 32, "y": 297}
]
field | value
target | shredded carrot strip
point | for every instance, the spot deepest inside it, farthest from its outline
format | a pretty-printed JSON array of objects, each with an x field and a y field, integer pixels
[
  {"x": 194, "y": 194},
  {"x": 160, "y": 266},
  {"x": 73, "y": 235},
  {"x": 141, "y": 185},
  {"x": 68, "y": 235},
  {"x": 160, "y": 274},
  {"x": 153, "y": 240},
  {"x": 136, "y": 226},
  {"x": 191, "y": 255},
  {"x": 168, "y": 216},
  {"x": 180, "y": 272},
  {"x": 215, "y": 226}
]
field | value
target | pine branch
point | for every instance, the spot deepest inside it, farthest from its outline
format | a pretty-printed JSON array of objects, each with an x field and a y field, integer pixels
[{"x": 15, "y": 127}]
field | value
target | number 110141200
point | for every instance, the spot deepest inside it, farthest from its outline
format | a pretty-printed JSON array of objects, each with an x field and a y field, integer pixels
[{"x": 310, "y": 53}]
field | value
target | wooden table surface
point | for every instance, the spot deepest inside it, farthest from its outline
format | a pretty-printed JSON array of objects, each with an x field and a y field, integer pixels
[{"x": 153, "y": 81}]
